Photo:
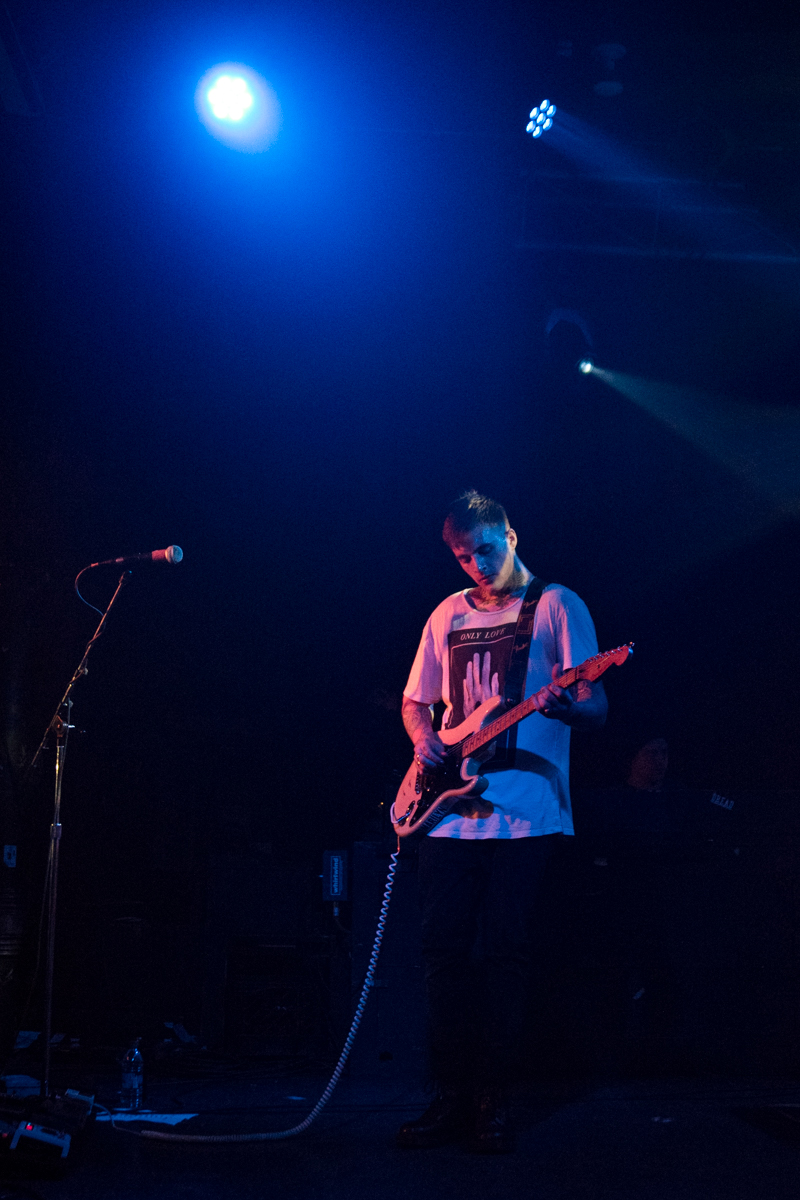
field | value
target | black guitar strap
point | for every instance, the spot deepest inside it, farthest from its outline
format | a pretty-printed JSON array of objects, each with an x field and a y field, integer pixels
[{"x": 517, "y": 669}]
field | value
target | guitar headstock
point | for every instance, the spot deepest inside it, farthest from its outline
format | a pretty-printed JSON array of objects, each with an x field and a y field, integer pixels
[{"x": 593, "y": 668}]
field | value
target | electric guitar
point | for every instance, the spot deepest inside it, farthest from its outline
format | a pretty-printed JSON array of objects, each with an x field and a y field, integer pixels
[{"x": 428, "y": 794}]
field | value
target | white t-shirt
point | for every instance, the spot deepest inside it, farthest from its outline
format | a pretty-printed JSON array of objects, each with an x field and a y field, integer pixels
[{"x": 460, "y": 645}]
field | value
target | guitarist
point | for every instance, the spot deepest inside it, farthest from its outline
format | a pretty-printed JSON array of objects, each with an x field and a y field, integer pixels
[{"x": 482, "y": 865}]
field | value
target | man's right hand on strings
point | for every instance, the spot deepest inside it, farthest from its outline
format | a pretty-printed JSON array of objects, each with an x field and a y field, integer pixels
[
  {"x": 429, "y": 749},
  {"x": 428, "y": 746}
]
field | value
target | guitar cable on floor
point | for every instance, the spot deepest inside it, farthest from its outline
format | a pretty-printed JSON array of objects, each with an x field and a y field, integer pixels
[{"x": 369, "y": 980}]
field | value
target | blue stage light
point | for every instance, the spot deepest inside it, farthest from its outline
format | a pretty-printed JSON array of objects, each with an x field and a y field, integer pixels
[
  {"x": 238, "y": 107},
  {"x": 230, "y": 98},
  {"x": 541, "y": 118},
  {"x": 586, "y": 366}
]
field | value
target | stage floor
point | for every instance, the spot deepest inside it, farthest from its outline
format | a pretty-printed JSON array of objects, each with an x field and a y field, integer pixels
[{"x": 642, "y": 1140}]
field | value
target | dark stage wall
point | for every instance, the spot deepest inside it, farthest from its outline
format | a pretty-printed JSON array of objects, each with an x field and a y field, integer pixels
[{"x": 289, "y": 363}]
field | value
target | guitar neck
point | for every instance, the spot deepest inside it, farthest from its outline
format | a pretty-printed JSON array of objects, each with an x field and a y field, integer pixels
[{"x": 489, "y": 732}]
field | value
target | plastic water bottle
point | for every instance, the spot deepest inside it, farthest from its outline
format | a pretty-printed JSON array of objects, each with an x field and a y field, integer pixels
[{"x": 133, "y": 1077}]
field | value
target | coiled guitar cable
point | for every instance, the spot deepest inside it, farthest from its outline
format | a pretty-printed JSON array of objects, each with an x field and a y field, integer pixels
[{"x": 369, "y": 980}]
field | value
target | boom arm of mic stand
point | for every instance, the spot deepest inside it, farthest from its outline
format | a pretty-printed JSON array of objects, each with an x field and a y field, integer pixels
[
  {"x": 60, "y": 727},
  {"x": 80, "y": 670}
]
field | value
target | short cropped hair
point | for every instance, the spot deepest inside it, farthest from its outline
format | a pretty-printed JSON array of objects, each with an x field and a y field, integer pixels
[{"x": 470, "y": 511}]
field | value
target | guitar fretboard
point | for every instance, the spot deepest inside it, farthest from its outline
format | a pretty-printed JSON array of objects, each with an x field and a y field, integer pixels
[
  {"x": 483, "y": 736},
  {"x": 592, "y": 669}
]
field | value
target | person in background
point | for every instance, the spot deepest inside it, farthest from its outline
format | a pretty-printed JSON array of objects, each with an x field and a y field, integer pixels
[{"x": 652, "y": 850}]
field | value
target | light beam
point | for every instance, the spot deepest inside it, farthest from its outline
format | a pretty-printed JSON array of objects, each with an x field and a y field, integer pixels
[{"x": 761, "y": 444}]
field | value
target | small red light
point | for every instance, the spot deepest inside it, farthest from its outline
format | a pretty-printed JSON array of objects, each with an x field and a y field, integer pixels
[{"x": 29, "y": 1127}]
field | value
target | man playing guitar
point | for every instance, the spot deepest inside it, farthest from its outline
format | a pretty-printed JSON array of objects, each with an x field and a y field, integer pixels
[{"x": 481, "y": 865}]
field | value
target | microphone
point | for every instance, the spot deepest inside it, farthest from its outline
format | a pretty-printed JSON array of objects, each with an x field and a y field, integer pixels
[{"x": 172, "y": 554}]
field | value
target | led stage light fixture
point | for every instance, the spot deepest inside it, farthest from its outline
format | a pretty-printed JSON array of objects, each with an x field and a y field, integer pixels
[
  {"x": 230, "y": 98},
  {"x": 586, "y": 366},
  {"x": 541, "y": 119},
  {"x": 238, "y": 107}
]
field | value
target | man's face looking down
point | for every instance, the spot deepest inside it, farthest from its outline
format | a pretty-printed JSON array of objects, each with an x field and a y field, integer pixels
[{"x": 487, "y": 555}]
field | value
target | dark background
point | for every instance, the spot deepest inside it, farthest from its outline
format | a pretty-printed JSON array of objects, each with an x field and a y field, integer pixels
[{"x": 289, "y": 363}]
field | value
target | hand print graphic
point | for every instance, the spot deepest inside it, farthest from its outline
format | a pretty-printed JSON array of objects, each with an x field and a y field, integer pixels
[{"x": 479, "y": 682}]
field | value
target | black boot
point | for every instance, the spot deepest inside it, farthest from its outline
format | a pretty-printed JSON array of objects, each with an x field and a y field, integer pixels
[
  {"x": 491, "y": 1131},
  {"x": 445, "y": 1120}
]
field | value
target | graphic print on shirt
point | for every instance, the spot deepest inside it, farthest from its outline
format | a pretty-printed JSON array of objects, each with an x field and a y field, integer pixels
[{"x": 478, "y": 662}]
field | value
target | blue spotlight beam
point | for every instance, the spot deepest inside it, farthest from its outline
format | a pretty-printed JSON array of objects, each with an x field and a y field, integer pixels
[
  {"x": 691, "y": 220},
  {"x": 760, "y": 444},
  {"x": 238, "y": 107}
]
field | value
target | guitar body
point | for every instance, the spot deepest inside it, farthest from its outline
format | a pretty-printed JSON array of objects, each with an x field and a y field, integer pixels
[{"x": 425, "y": 797}]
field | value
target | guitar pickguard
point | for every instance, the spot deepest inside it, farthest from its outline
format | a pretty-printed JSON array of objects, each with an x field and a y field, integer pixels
[{"x": 425, "y": 797}]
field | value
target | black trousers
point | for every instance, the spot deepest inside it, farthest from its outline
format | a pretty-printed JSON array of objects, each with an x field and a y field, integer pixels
[{"x": 477, "y": 900}]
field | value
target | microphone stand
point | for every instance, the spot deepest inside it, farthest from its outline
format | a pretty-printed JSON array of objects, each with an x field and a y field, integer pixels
[{"x": 60, "y": 726}]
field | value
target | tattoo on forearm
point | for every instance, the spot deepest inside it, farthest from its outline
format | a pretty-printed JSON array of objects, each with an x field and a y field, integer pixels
[{"x": 416, "y": 719}]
